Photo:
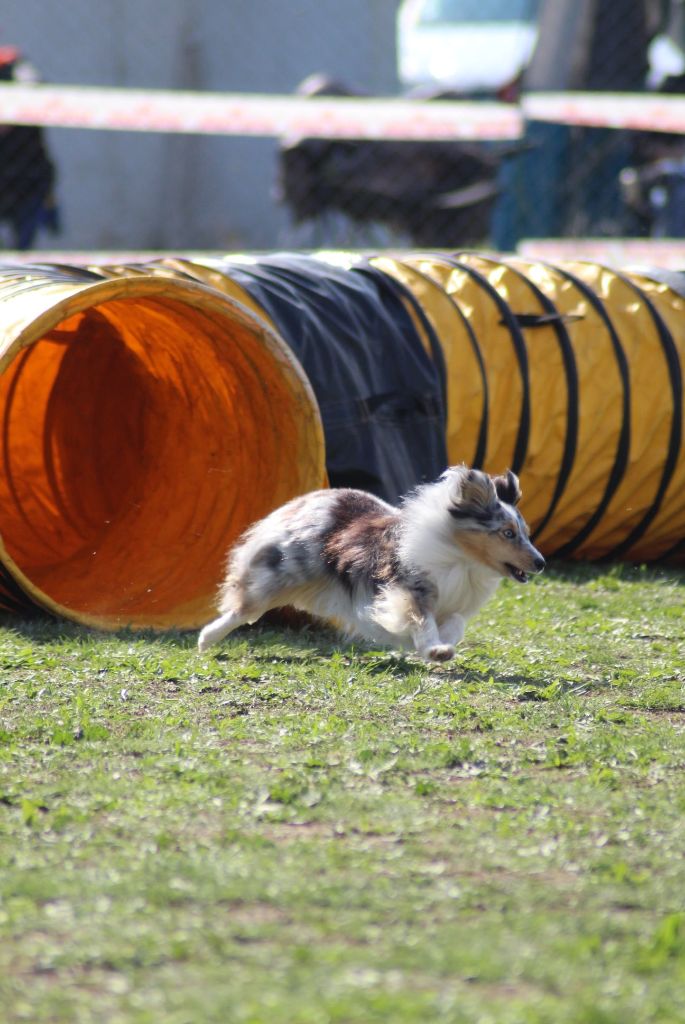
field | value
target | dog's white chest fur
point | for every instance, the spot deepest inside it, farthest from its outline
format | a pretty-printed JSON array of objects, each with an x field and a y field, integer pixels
[
  {"x": 463, "y": 589},
  {"x": 462, "y": 585}
]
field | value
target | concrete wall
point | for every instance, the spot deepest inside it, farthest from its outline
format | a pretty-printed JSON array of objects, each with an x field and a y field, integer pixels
[{"x": 131, "y": 190}]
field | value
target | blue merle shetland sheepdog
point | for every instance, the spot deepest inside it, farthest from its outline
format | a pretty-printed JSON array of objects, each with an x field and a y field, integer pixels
[{"x": 406, "y": 577}]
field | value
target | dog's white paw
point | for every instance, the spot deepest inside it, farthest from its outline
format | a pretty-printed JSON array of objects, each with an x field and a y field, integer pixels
[{"x": 440, "y": 652}]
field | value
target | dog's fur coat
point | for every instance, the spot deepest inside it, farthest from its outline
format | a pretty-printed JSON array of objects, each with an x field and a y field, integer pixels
[{"x": 402, "y": 577}]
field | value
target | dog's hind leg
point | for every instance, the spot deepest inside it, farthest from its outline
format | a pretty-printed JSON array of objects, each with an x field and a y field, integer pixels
[
  {"x": 218, "y": 629},
  {"x": 246, "y": 595},
  {"x": 226, "y": 623}
]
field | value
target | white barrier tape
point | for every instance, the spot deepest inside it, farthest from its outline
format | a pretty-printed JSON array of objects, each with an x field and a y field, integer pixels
[
  {"x": 667, "y": 253},
  {"x": 208, "y": 113},
  {"x": 635, "y": 111},
  {"x": 246, "y": 114}
]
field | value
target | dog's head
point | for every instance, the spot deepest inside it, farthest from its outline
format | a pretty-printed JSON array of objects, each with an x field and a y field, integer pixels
[{"x": 486, "y": 523}]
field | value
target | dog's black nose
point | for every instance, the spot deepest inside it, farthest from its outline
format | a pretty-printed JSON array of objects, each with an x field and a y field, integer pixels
[{"x": 539, "y": 563}]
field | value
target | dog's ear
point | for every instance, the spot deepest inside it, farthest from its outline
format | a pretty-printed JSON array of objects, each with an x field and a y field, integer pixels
[
  {"x": 474, "y": 496},
  {"x": 507, "y": 488}
]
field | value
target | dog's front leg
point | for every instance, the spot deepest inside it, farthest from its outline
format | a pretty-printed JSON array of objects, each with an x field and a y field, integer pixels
[
  {"x": 452, "y": 629},
  {"x": 428, "y": 642}
]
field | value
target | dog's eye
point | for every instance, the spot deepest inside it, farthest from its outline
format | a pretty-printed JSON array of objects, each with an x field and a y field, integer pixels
[{"x": 508, "y": 533}]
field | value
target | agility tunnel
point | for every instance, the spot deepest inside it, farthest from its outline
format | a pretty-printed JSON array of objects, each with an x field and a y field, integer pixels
[
  {"x": 151, "y": 411},
  {"x": 145, "y": 424},
  {"x": 581, "y": 371},
  {"x": 569, "y": 374}
]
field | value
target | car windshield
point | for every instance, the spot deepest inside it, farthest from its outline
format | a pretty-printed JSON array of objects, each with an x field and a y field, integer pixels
[{"x": 469, "y": 11}]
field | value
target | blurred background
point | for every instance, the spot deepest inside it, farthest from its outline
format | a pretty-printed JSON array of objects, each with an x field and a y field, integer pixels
[{"x": 76, "y": 189}]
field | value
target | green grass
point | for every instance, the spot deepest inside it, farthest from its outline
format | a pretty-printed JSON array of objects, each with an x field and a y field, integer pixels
[{"x": 290, "y": 830}]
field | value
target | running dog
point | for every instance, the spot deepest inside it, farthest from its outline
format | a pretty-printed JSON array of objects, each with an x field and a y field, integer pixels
[{"x": 402, "y": 577}]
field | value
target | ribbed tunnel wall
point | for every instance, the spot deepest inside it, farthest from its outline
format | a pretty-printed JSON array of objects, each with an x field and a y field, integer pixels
[
  {"x": 149, "y": 413},
  {"x": 583, "y": 369},
  {"x": 145, "y": 424},
  {"x": 580, "y": 368}
]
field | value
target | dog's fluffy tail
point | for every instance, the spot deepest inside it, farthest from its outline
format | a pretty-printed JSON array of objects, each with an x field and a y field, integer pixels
[{"x": 218, "y": 629}]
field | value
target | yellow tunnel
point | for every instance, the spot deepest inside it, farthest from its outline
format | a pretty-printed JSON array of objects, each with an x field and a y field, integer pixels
[
  {"x": 583, "y": 367},
  {"x": 145, "y": 424}
]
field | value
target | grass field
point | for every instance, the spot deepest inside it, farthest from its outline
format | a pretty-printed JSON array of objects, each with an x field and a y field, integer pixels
[{"x": 290, "y": 830}]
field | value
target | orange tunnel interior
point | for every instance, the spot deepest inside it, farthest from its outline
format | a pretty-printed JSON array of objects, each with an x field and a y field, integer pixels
[{"x": 140, "y": 435}]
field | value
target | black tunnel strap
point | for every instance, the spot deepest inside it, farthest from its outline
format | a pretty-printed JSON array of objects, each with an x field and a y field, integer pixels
[
  {"x": 383, "y": 280},
  {"x": 528, "y": 320},
  {"x": 481, "y": 442},
  {"x": 675, "y": 437},
  {"x": 552, "y": 318},
  {"x": 523, "y": 432},
  {"x": 621, "y": 459}
]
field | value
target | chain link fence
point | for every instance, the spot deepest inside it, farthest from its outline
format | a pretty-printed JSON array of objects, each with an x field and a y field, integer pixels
[{"x": 66, "y": 188}]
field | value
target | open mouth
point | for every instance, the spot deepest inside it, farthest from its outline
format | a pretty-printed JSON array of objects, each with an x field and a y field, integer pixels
[{"x": 517, "y": 574}]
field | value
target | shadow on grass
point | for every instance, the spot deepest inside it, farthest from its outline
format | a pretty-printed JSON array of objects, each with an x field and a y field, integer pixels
[
  {"x": 272, "y": 641},
  {"x": 44, "y": 629},
  {"x": 524, "y": 687},
  {"x": 314, "y": 638}
]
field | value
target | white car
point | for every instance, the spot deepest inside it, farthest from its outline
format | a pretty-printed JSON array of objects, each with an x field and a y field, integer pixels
[{"x": 466, "y": 46}]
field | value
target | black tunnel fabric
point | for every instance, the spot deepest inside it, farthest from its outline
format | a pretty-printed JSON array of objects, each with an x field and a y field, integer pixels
[
  {"x": 387, "y": 285},
  {"x": 380, "y": 394},
  {"x": 466, "y": 384}
]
